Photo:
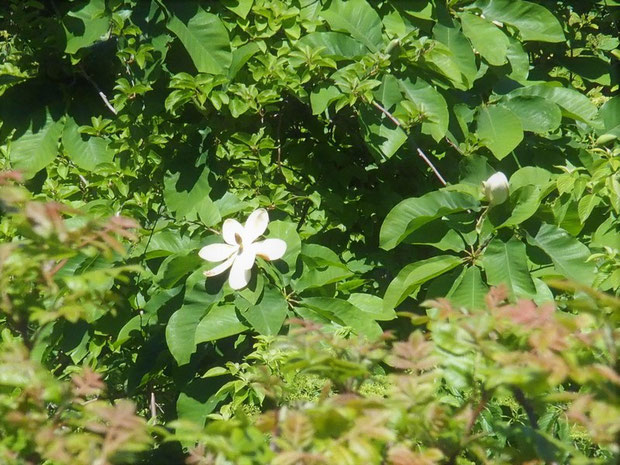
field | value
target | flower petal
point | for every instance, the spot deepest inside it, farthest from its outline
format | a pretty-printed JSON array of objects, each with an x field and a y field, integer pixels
[
  {"x": 239, "y": 277},
  {"x": 256, "y": 225},
  {"x": 246, "y": 258},
  {"x": 270, "y": 249},
  {"x": 220, "y": 268},
  {"x": 217, "y": 252},
  {"x": 232, "y": 231}
]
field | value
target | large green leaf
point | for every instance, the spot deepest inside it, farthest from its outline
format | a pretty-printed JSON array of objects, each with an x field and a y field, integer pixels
[
  {"x": 203, "y": 35},
  {"x": 500, "y": 129},
  {"x": 336, "y": 45},
  {"x": 534, "y": 22},
  {"x": 343, "y": 312},
  {"x": 372, "y": 305},
  {"x": 181, "y": 330},
  {"x": 357, "y": 18},
  {"x": 85, "y": 151},
  {"x": 411, "y": 277},
  {"x": 322, "y": 96},
  {"x": 381, "y": 135},
  {"x": 506, "y": 263},
  {"x": 536, "y": 113},
  {"x": 220, "y": 322},
  {"x": 573, "y": 103},
  {"x": 268, "y": 315},
  {"x": 176, "y": 267},
  {"x": 187, "y": 194},
  {"x": 519, "y": 61},
  {"x": 567, "y": 253},
  {"x": 37, "y": 147},
  {"x": 410, "y": 214},
  {"x": 86, "y": 25},
  {"x": 321, "y": 266},
  {"x": 431, "y": 104},
  {"x": 457, "y": 43},
  {"x": 286, "y": 231},
  {"x": 524, "y": 201},
  {"x": 471, "y": 291},
  {"x": 486, "y": 38},
  {"x": 610, "y": 114}
]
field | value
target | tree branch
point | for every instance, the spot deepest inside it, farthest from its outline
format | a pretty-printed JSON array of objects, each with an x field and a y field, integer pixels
[
  {"x": 98, "y": 89},
  {"x": 421, "y": 154}
]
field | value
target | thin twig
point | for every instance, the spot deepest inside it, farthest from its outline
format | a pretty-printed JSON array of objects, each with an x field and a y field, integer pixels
[
  {"x": 454, "y": 146},
  {"x": 387, "y": 113},
  {"x": 422, "y": 155},
  {"x": 430, "y": 164},
  {"x": 99, "y": 91}
]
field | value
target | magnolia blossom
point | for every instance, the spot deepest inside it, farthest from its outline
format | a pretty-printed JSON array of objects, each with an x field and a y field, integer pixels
[
  {"x": 496, "y": 188},
  {"x": 240, "y": 250}
]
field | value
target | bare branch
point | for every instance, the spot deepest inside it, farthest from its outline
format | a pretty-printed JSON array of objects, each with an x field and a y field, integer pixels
[
  {"x": 430, "y": 164},
  {"x": 99, "y": 91},
  {"x": 422, "y": 155}
]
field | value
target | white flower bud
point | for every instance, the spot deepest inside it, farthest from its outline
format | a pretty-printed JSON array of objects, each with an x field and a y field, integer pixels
[{"x": 496, "y": 188}]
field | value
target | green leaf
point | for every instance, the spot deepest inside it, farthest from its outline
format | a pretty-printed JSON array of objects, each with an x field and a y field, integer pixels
[
  {"x": 585, "y": 206},
  {"x": 86, "y": 26},
  {"x": 471, "y": 291},
  {"x": 197, "y": 400},
  {"x": 567, "y": 253},
  {"x": 410, "y": 214},
  {"x": 321, "y": 266},
  {"x": 85, "y": 151},
  {"x": 389, "y": 93},
  {"x": 220, "y": 322},
  {"x": 345, "y": 313},
  {"x": 335, "y": 45},
  {"x": 422, "y": 9},
  {"x": 239, "y": 7},
  {"x": 530, "y": 175},
  {"x": 590, "y": 68},
  {"x": 321, "y": 97},
  {"x": 411, "y": 277},
  {"x": 519, "y": 61},
  {"x": 534, "y": 22},
  {"x": 525, "y": 202},
  {"x": 181, "y": 330},
  {"x": 486, "y": 38},
  {"x": 373, "y": 305},
  {"x": 506, "y": 263},
  {"x": 37, "y": 147},
  {"x": 573, "y": 104},
  {"x": 500, "y": 129},
  {"x": 357, "y": 18},
  {"x": 431, "y": 104},
  {"x": 286, "y": 231},
  {"x": 240, "y": 57},
  {"x": 187, "y": 194},
  {"x": 203, "y": 35},
  {"x": 381, "y": 135},
  {"x": 457, "y": 43},
  {"x": 441, "y": 234},
  {"x": 268, "y": 315},
  {"x": 176, "y": 267},
  {"x": 610, "y": 114},
  {"x": 536, "y": 113}
]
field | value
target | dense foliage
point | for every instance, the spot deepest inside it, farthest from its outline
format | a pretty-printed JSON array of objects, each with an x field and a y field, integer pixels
[{"x": 366, "y": 130}]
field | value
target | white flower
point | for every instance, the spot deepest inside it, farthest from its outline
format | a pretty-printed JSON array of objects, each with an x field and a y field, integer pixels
[
  {"x": 496, "y": 188},
  {"x": 240, "y": 250}
]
